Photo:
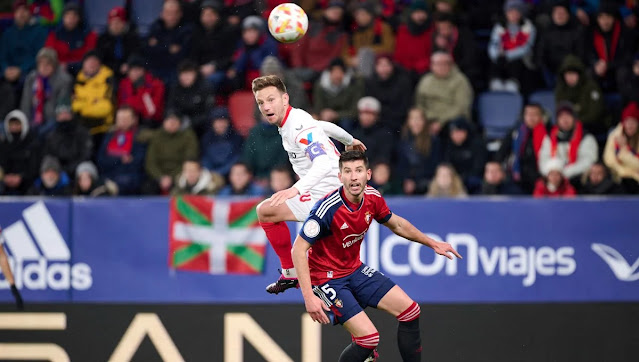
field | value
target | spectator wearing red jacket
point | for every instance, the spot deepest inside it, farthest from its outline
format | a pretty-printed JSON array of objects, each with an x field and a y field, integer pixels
[
  {"x": 142, "y": 92},
  {"x": 72, "y": 39},
  {"x": 414, "y": 39},
  {"x": 554, "y": 184}
]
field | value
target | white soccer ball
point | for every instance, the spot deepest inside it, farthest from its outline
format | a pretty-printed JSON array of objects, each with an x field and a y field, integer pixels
[{"x": 288, "y": 23}]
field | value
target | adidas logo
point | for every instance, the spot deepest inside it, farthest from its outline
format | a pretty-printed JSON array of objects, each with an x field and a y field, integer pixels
[
  {"x": 44, "y": 262},
  {"x": 344, "y": 226}
]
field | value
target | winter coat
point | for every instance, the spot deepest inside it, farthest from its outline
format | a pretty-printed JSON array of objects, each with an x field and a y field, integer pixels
[
  {"x": 468, "y": 159},
  {"x": 319, "y": 46},
  {"x": 587, "y": 153},
  {"x": 60, "y": 82},
  {"x": 464, "y": 49},
  {"x": 395, "y": 96},
  {"x": 413, "y": 165},
  {"x": 133, "y": 94},
  {"x": 19, "y": 47},
  {"x": 194, "y": 102},
  {"x": 247, "y": 60},
  {"x": 220, "y": 152},
  {"x": 517, "y": 45},
  {"x": 70, "y": 143},
  {"x": 504, "y": 188},
  {"x": 20, "y": 155},
  {"x": 586, "y": 96},
  {"x": 160, "y": 61},
  {"x": 564, "y": 190},
  {"x": 443, "y": 99},
  {"x": 380, "y": 139},
  {"x": 93, "y": 99},
  {"x": 115, "y": 50},
  {"x": 614, "y": 47},
  {"x": 128, "y": 176},
  {"x": 71, "y": 46},
  {"x": 342, "y": 99},
  {"x": 413, "y": 49},
  {"x": 98, "y": 188},
  {"x": 378, "y": 37},
  {"x": 556, "y": 42},
  {"x": 263, "y": 150},
  {"x": 215, "y": 46},
  {"x": 62, "y": 188},
  {"x": 606, "y": 187},
  {"x": 167, "y": 152},
  {"x": 522, "y": 162},
  {"x": 623, "y": 162},
  {"x": 209, "y": 183}
]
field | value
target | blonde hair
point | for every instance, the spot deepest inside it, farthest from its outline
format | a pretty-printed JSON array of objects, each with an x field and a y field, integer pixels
[
  {"x": 456, "y": 189},
  {"x": 266, "y": 81}
]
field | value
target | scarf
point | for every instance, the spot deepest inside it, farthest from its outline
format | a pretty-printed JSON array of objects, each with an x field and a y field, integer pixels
[
  {"x": 600, "y": 43},
  {"x": 520, "y": 143},
  {"x": 121, "y": 143},
  {"x": 575, "y": 140},
  {"x": 41, "y": 93}
]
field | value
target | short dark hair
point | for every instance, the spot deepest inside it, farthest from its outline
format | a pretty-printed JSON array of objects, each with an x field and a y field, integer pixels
[
  {"x": 348, "y": 156},
  {"x": 268, "y": 81},
  {"x": 246, "y": 166},
  {"x": 187, "y": 66},
  {"x": 536, "y": 105}
]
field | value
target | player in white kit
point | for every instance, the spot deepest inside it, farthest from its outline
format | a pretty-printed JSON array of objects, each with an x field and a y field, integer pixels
[{"x": 314, "y": 159}]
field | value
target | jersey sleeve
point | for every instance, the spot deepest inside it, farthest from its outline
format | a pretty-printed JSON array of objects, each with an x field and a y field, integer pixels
[
  {"x": 382, "y": 212},
  {"x": 334, "y": 131},
  {"x": 315, "y": 227}
]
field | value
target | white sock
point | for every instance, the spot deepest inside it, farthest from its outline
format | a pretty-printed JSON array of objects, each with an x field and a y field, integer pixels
[{"x": 289, "y": 273}]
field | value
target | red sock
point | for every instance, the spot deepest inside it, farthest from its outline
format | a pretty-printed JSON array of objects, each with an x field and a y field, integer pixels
[{"x": 279, "y": 236}]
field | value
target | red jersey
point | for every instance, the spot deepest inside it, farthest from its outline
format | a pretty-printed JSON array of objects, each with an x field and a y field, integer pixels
[{"x": 336, "y": 228}]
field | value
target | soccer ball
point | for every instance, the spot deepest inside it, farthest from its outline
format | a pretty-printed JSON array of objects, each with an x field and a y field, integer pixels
[{"x": 288, "y": 23}]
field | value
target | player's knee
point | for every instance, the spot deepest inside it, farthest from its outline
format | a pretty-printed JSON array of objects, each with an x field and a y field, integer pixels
[
  {"x": 410, "y": 314},
  {"x": 369, "y": 341},
  {"x": 262, "y": 211}
]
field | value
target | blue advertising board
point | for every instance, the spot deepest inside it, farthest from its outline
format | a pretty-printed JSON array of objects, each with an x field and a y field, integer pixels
[{"x": 515, "y": 250}]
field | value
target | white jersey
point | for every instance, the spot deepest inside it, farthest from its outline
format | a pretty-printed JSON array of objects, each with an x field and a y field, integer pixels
[{"x": 312, "y": 154}]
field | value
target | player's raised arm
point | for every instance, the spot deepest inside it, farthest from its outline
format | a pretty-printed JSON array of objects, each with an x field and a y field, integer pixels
[
  {"x": 405, "y": 229},
  {"x": 336, "y": 132},
  {"x": 314, "y": 306}
]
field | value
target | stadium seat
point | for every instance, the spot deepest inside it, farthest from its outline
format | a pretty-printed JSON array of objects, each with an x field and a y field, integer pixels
[
  {"x": 498, "y": 112},
  {"x": 547, "y": 100},
  {"x": 242, "y": 111},
  {"x": 144, "y": 13},
  {"x": 96, "y": 12}
]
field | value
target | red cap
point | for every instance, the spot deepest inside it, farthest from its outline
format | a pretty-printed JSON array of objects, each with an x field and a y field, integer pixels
[
  {"x": 20, "y": 3},
  {"x": 631, "y": 111},
  {"x": 117, "y": 12}
]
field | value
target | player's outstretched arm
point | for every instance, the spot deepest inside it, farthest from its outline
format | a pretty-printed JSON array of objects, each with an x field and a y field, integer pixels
[
  {"x": 405, "y": 229},
  {"x": 336, "y": 132},
  {"x": 8, "y": 275},
  {"x": 314, "y": 306}
]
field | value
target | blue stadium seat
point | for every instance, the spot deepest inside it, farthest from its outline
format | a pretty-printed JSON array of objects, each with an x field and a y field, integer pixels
[
  {"x": 96, "y": 12},
  {"x": 547, "y": 100},
  {"x": 498, "y": 112},
  {"x": 145, "y": 13}
]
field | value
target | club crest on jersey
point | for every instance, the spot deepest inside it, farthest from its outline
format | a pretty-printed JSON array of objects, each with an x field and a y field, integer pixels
[
  {"x": 367, "y": 217},
  {"x": 338, "y": 303},
  {"x": 308, "y": 140}
]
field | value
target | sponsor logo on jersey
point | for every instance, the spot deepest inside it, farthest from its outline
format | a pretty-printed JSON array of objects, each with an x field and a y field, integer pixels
[{"x": 308, "y": 140}]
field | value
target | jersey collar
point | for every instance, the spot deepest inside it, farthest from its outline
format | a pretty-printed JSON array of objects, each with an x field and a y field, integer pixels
[
  {"x": 349, "y": 205},
  {"x": 288, "y": 110}
]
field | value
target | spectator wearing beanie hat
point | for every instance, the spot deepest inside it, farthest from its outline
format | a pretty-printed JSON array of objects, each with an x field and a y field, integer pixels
[
  {"x": 622, "y": 149},
  {"x": 371, "y": 131},
  {"x": 554, "y": 183},
  {"x": 117, "y": 42},
  {"x": 72, "y": 39},
  {"x": 221, "y": 145},
  {"x": 53, "y": 181},
  {"x": 142, "y": 91},
  {"x": 20, "y": 44},
  {"x": 88, "y": 182}
]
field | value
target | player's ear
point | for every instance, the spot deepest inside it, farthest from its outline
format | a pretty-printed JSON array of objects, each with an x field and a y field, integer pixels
[
  {"x": 285, "y": 98},
  {"x": 369, "y": 174}
]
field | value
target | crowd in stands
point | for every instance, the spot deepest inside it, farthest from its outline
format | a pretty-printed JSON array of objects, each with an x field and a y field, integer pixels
[{"x": 119, "y": 111}]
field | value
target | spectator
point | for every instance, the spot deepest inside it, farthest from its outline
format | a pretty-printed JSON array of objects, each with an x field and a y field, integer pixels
[
  {"x": 414, "y": 39},
  {"x": 629, "y": 88},
  {"x": 19, "y": 154},
  {"x": 382, "y": 179},
  {"x": 213, "y": 43},
  {"x": 280, "y": 179},
  {"x": 47, "y": 12},
  {"x": 554, "y": 184},
  {"x": 575, "y": 86},
  {"x": 72, "y": 39},
  {"x": 418, "y": 154},
  {"x": 391, "y": 86},
  {"x": 372, "y": 132},
  {"x": 142, "y": 92},
  {"x": 241, "y": 182},
  {"x": 570, "y": 144},
  {"x": 336, "y": 93},
  {"x": 44, "y": 88},
  {"x": 20, "y": 44},
  {"x": 326, "y": 40},
  {"x": 169, "y": 41},
  {"x": 511, "y": 49},
  {"x": 221, "y": 145},
  {"x": 195, "y": 180},
  {"x": 445, "y": 93},
  {"x": 445, "y": 6},
  {"x": 294, "y": 87},
  {"x": 495, "y": 182},
  {"x": 88, "y": 183},
  {"x": 118, "y": 42},
  {"x": 597, "y": 181},
  {"x": 564, "y": 36},
  {"x": 53, "y": 181},
  {"x": 263, "y": 150},
  {"x": 68, "y": 142},
  {"x": 371, "y": 36},
  {"x": 93, "y": 95},
  {"x": 465, "y": 150},
  {"x": 609, "y": 47},
  {"x": 446, "y": 183},
  {"x": 621, "y": 153},
  {"x": 168, "y": 149},
  {"x": 459, "y": 42},
  {"x": 255, "y": 46},
  {"x": 121, "y": 156},
  {"x": 191, "y": 97},
  {"x": 519, "y": 149}
]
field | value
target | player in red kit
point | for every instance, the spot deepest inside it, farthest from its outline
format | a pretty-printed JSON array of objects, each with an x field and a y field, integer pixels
[{"x": 332, "y": 278}]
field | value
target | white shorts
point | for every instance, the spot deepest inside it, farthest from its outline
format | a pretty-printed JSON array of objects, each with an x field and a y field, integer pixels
[{"x": 301, "y": 205}]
